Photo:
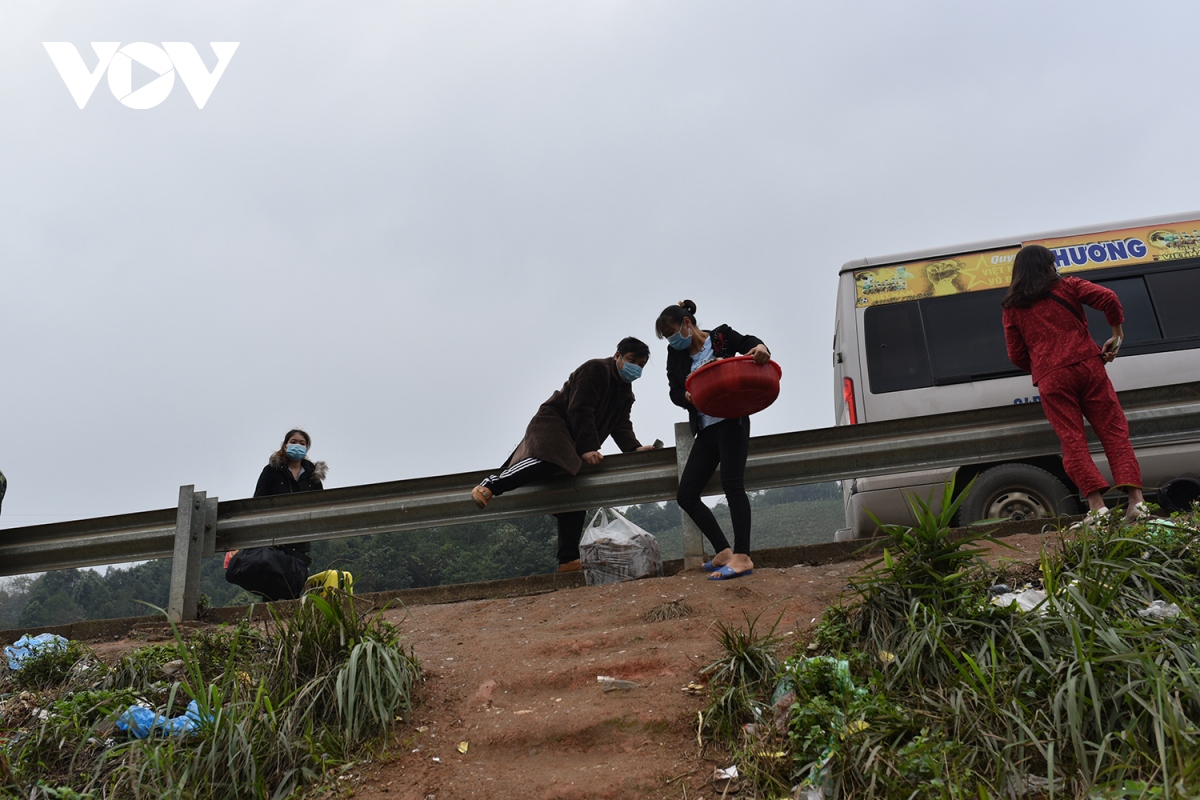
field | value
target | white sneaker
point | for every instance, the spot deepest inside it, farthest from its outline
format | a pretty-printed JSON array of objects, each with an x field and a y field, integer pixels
[{"x": 1093, "y": 519}]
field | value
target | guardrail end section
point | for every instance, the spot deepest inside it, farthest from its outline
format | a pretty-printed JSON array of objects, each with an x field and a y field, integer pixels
[{"x": 190, "y": 536}]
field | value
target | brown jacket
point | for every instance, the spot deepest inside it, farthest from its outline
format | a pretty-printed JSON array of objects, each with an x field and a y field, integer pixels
[{"x": 592, "y": 405}]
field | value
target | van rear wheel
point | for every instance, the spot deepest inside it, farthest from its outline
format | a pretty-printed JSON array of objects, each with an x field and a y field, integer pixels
[{"x": 1016, "y": 492}]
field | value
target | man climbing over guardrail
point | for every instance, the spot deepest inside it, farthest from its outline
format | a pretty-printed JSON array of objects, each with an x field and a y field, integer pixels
[{"x": 568, "y": 431}]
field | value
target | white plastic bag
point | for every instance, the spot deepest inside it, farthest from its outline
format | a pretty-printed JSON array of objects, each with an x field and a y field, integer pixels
[{"x": 613, "y": 549}]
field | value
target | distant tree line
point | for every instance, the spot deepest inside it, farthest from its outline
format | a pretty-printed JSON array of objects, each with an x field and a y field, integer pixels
[{"x": 381, "y": 562}]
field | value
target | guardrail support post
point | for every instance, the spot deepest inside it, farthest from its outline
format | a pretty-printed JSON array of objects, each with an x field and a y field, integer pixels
[
  {"x": 693, "y": 541},
  {"x": 185, "y": 563}
]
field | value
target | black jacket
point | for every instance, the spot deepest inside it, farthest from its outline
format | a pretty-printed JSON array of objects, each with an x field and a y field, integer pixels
[
  {"x": 276, "y": 478},
  {"x": 726, "y": 342}
]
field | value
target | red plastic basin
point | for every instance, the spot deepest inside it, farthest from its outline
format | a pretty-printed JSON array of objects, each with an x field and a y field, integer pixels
[{"x": 734, "y": 387}]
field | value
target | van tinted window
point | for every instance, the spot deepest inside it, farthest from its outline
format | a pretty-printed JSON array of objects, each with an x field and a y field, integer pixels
[
  {"x": 1177, "y": 298},
  {"x": 1141, "y": 325},
  {"x": 943, "y": 340},
  {"x": 896, "y": 354},
  {"x": 935, "y": 342},
  {"x": 966, "y": 337}
]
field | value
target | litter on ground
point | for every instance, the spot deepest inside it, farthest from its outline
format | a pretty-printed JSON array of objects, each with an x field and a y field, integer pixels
[
  {"x": 1026, "y": 600},
  {"x": 1159, "y": 610},
  {"x": 28, "y": 646},
  {"x": 140, "y": 722}
]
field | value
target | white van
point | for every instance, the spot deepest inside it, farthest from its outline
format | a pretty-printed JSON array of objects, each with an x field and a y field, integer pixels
[{"x": 920, "y": 333}]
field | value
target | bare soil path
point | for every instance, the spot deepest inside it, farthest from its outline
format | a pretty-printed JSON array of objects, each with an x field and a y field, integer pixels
[{"x": 516, "y": 681}]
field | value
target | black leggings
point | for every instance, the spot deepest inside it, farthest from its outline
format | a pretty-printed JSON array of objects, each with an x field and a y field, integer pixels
[
  {"x": 570, "y": 523},
  {"x": 726, "y": 444}
]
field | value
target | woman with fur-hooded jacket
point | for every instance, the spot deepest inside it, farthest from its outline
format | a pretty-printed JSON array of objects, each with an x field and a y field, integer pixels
[
  {"x": 279, "y": 572},
  {"x": 289, "y": 471}
]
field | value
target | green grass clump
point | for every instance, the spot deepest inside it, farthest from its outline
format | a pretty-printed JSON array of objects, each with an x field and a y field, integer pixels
[
  {"x": 71, "y": 736},
  {"x": 921, "y": 687},
  {"x": 739, "y": 678},
  {"x": 279, "y": 705},
  {"x": 90, "y": 706}
]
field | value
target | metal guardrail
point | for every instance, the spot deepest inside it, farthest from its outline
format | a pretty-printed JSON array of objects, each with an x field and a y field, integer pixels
[{"x": 200, "y": 526}]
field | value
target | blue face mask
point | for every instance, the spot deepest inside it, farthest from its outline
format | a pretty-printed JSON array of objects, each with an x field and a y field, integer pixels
[
  {"x": 631, "y": 372},
  {"x": 296, "y": 452},
  {"x": 678, "y": 341}
]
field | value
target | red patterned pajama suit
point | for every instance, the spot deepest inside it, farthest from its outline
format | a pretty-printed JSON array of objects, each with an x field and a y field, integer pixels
[{"x": 1051, "y": 340}]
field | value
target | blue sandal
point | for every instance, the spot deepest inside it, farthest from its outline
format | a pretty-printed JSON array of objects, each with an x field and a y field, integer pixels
[{"x": 727, "y": 574}]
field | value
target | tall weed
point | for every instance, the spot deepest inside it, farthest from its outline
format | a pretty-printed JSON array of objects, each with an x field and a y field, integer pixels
[
  {"x": 1081, "y": 697},
  {"x": 745, "y": 671},
  {"x": 279, "y": 706}
]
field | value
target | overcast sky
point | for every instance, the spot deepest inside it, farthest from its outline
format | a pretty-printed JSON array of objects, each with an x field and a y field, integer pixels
[{"x": 401, "y": 225}]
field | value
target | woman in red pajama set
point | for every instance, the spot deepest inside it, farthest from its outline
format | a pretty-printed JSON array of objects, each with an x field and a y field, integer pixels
[{"x": 1047, "y": 334}]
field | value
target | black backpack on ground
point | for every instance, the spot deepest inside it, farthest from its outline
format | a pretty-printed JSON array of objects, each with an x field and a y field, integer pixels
[{"x": 272, "y": 573}]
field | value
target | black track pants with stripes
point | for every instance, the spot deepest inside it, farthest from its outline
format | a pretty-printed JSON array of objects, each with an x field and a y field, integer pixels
[{"x": 570, "y": 523}]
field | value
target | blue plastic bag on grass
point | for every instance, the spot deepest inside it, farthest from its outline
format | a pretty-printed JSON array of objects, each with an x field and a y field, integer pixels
[
  {"x": 28, "y": 646},
  {"x": 140, "y": 721}
]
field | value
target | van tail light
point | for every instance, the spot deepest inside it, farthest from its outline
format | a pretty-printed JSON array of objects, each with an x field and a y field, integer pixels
[{"x": 848, "y": 396}]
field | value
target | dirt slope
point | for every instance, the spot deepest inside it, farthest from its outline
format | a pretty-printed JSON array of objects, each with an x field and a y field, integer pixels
[{"x": 516, "y": 680}]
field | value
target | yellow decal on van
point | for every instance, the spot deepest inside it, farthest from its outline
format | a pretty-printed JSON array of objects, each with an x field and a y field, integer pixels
[
  {"x": 971, "y": 272},
  {"x": 1128, "y": 246},
  {"x": 976, "y": 272}
]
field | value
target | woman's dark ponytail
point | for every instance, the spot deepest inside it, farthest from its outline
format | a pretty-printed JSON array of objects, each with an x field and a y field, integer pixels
[{"x": 673, "y": 317}]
